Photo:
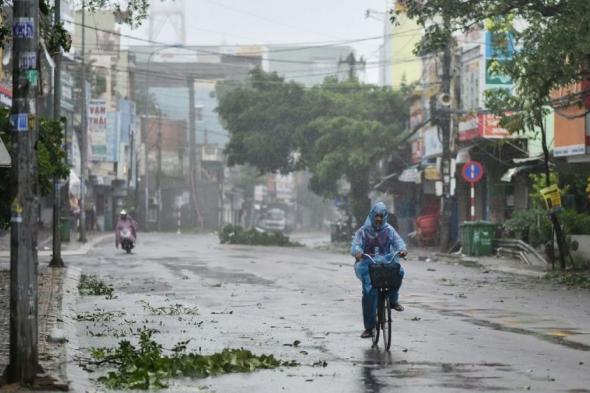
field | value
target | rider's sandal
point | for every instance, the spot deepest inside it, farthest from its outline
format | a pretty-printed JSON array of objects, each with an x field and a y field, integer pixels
[
  {"x": 367, "y": 334},
  {"x": 397, "y": 307}
]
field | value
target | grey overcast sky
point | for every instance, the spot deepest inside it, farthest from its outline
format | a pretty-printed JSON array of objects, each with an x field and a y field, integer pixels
[{"x": 233, "y": 22}]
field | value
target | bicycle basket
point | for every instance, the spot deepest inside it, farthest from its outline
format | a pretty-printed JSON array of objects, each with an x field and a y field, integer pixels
[{"x": 385, "y": 275}]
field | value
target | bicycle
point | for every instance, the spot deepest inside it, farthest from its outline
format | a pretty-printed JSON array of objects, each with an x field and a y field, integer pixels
[{"x": 384, "y": 276}]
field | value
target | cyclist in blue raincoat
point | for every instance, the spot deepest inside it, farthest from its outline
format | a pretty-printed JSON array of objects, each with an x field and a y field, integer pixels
[{"x": 375, "y": 237}]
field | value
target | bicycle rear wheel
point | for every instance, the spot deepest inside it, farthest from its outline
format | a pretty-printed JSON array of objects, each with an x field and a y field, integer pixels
[{"x": 386, "y": 321}]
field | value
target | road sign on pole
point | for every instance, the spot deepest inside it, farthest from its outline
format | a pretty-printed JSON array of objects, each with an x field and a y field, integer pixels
[{"x": 472, "y": 173}]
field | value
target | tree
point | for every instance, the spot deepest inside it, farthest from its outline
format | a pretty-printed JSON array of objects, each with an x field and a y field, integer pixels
[
  {"x": 50, "y": 156},
  {"x": 263, "y": 118},
  {"x": 131, "y": 12},
  {"x": 337, "y": 130},
  {"x": 548, "y": 55}
]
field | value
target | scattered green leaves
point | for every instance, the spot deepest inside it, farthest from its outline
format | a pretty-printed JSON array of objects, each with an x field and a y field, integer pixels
[
  {"x": 99, "y": 316},
  {"x": 570, "y": 279},
  {"x": 90, "y": 285},
  {"x": 174, "y": 309},
  {"x": 147, "y": 367},
  {"x": 234, "y": 234}
]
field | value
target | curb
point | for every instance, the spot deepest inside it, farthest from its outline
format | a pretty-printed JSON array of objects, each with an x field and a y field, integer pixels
[
  {"x": 496, "y": 266},
  {"x": 68, "y": 324},
  {"x": 83, "y": 250}
]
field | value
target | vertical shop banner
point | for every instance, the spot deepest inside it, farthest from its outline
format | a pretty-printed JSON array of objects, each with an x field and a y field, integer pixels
[
  {"x": 112, "y": 136},
  {"x": 432, "y": 143},
  {"x": 97, "y": 130}
]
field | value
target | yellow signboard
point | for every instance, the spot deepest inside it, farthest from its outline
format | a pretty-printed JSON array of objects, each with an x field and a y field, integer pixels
[
  {"x": 431, "y": 173},
  {"x": 552, "y": 197}
]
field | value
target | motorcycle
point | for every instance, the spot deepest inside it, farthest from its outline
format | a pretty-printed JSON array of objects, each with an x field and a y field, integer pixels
[{"x": 127, "y": 239}]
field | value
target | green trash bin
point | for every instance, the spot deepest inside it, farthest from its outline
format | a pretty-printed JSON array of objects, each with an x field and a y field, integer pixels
[
  {"x": 478, "y": 237},
  {"x": 467, "y": 237},
  {"x": 483, "y": 238},
  {"x": 64, "y": 229}
]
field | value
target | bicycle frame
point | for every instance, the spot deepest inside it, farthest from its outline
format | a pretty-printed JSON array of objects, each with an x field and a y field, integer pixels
[{"x": 383, "y": 313}]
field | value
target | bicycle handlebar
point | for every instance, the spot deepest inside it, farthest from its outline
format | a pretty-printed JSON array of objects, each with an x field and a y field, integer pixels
[{"x": 396, "y": 254}]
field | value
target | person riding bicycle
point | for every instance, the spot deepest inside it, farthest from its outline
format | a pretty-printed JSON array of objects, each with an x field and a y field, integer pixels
[{"x": 376, "y": 236}]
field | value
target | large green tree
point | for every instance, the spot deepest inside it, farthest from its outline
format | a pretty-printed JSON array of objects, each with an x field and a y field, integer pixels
[{"x": 339, "y": 131}]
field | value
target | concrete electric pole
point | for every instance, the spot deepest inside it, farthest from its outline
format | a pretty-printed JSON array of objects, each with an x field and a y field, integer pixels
[
  {"x": 84, "y": 141},
  {"x": 444, "y": 123},
  {"x": 56, "y": 259},
  {"x": 24, "y": 125}
]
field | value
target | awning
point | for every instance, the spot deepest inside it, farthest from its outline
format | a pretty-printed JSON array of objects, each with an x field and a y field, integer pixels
[
  {"x": 385, "y": 181},
  {"x": 410, "y": 175},
  {"x": 524, "y": 165},
  {"x": 5, "y": 160},
  {"x": 463, "y": 155},
  {"x": 74, "y": 184}
]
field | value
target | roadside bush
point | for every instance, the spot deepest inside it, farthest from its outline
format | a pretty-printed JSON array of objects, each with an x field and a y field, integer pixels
[
  {"x": 576, "y": 223},
  {"x": 532, "y": 226},
  {"x": 234, "y": 234}
]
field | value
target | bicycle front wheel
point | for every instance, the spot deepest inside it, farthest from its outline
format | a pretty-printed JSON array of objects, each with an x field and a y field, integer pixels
[
  {"x": 378, "y": 319},
  {"x": 386, "y": 321}
]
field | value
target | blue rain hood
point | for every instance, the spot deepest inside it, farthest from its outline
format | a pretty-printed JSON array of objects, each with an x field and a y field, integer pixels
[{"x": 378, "y": 208}]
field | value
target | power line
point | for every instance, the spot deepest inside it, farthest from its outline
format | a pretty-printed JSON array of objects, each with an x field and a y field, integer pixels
[{"x": 197, "y": 50}]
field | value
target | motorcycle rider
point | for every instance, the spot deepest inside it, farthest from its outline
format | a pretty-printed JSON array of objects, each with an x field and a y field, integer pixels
[
  {"x": 375, "y": 236},
  {"x": 125, "y": 222}
]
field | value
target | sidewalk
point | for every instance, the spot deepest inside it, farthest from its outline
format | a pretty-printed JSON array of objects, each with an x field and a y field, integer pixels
[
  {"x": 71, "y": 248},
  {"x": 51, "y": 342},
  {"x": 491, "y": 262},
  {"x": 51, "y": 289}
]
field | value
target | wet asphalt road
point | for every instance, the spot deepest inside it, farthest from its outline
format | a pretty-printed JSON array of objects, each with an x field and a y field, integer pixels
[{"x": 464, "y": 328}]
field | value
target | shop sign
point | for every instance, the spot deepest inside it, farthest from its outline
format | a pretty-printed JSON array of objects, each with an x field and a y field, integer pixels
[
  {"x": 23, "y": 28},
  {"x": 67, "y": 87},
  {"x": 432, "y": 173},
  {"x": 19, "y": 122},
  {"x": 417, "y": 150},
  {"x": 552, "y": 197},
  {"x": 27, "y": 61},
  {"x": 5, "y": 97},
  {"x": 432, "y": 143},
  {"x": 482, "y": 126},
  {"x": 97, "y": 130}
]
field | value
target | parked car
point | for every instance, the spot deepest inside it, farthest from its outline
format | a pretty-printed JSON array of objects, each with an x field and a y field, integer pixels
[{"x": 273, "y": 220}]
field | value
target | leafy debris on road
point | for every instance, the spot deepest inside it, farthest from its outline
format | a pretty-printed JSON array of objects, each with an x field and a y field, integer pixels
[
  {"x": 90, "y": 285},
  {"x": 99, "y": 316},
  {"x": 174, "y": 309},
  {"x": 570, "y": 279},
  {"x": 147, "y": 367}
]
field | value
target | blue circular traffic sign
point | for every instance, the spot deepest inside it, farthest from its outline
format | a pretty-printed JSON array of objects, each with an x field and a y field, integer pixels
[{"x": 472, "y": 171}]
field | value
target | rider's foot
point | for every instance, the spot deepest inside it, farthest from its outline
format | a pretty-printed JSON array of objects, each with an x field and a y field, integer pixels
[
  {"x": 368, "y": 333},
  {"x": 397, "y": 307}
]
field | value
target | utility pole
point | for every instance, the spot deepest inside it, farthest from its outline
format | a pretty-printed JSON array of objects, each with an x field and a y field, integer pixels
[
  {"x": 24, "y": 125},
  {"x": 192, "y": 149},
  {"x": 56, "y": 259},
  {"x": 84, "y": 141},
  {"x": 159, "y": 173},
  {"x": 444, "y": 124}
]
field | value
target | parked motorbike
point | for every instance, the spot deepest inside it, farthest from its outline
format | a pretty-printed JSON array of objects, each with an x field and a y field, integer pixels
[{"x": 127, "y": 239}]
